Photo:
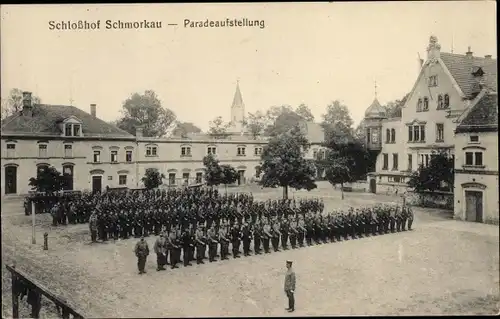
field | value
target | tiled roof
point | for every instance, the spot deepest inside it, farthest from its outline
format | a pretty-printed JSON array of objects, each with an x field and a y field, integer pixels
[
  {"x": 461, "y": 68},
  {"x": 207, "y": 138},
  {"x": 483, "y": 116},
  {"x": 375, "y": 109},
  {"x": 45, "y": 119}
]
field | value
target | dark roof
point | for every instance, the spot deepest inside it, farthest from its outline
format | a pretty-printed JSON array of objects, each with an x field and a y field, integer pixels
[
  {"x": 45, "y": 121},
  {"x": 482, "y": 117},
  {"x": 375, "y": 110},
  {"x": 462, "y": 66}
]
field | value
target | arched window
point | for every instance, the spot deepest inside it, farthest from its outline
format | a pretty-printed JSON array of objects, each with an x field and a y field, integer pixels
[
  {"x": 440, "y": 101},
  {"x": 426, "y": 104},
  {"x": 393, "y": 135},
  {"x": 387, "y": 136},
  {"x": 446, "y": 101},
  {"x": 419, "y": 105}
]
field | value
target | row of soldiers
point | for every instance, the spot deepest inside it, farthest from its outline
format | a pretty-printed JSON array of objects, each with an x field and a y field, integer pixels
[{"x": 270, "y": 234}]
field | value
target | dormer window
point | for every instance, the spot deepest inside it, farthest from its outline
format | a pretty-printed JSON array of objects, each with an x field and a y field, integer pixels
[
  {"x": 477, "y": 71},
  {"x": 72, "y": 129},
  {"x": 76, "y": 129}
]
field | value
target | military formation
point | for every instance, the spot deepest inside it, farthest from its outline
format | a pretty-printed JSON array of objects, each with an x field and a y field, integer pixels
[{"x": 200, "y": 223}]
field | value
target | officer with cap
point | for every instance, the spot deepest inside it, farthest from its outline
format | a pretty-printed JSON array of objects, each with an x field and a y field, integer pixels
[{"x": 290, "y": 286}]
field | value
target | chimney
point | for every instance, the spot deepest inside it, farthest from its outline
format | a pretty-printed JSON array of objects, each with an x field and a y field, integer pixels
[
  {"x": 27, "y": 106},
  {"x": 469, "y": 53},
  {"x": 433, "y": 49},
  {"x": 487, "y": 57},
  {"x": 139, "y": 131},
  {"x": 93, "y": 110}
]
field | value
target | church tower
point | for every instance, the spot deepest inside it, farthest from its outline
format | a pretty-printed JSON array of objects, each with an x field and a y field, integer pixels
[{"x": 237, "y": 112}]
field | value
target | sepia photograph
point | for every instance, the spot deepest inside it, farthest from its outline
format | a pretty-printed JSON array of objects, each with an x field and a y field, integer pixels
[{"x": 249, "y": 159}]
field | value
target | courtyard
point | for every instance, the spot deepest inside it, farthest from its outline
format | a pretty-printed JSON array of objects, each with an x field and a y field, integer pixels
[{"x": 441, "y": 267}]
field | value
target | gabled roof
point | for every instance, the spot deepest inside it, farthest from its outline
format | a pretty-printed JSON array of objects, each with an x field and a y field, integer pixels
[
  {"x": 375, "y": 110},
  {"x": 462, "y": 66},
  {"x": 46, "y": 118},
  {"x": 482, "y": 116}
]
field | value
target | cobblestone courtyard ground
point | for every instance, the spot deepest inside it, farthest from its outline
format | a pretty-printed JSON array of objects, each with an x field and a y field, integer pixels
[{"x": 442, "y": 267}]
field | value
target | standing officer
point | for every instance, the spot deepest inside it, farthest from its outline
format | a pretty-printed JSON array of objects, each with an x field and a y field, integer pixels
[
  {"x": 159, "y": 248},
  {"x": 290, "y": 286},
  {"x": 276, "y": 235},
  {"x": 247, "y": 238},
  {"x": 293, "y": 234},
  {"x": 301, "y": 231},
  {"x": 93, "y": 227},
  {"x": 186, "y": 248},
  {"x": 200, "y": 244},
  {"x": 266, "y": 235},
  {"x": 212, "y": 243},
  {"x": 236, "y": 240},
  {"x": 172, "y": 245},
  {"x": 224, "y": 241},
  {"x": 142, "y": 252},
  {"x": 284, "y": 229}
]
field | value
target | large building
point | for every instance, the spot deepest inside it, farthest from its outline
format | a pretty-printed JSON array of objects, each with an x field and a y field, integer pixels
[
  {"x": 446, "y": 86},
  {"x": 96, "y": 154}
]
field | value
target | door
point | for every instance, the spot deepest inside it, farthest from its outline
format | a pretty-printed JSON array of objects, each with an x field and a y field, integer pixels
[
  {"x": 373, "y": 186},
  {"x": 10, "y": 180},
  {"x": 241, "y": 179},
  {"x": 474, "y": 206},
  {"x": 96, "y": 184}
]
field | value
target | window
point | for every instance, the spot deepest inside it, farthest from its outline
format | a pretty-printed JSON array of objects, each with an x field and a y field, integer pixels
[
  {"x": 410, "y": 134},
  {"x": 241, "y": 151},
  {"x": 416, "y": 133},
  {"x": 386, "y": 161},
  {"x": 426, "y": 104},
  {"x": 151, "y": 150},
  {"x": 478, "y": 156},
  {"x": 394, "y": 161},
  {"x": 422, "y": 133},
  {"x": 171, "y": 178},
  {"x": 128, "y": 156},
  {"x": 185, "y": 178},
  {"x": 76, "y": 129},
  {"x": 469, "y": 158},
  {"x": 474, "y": 139},
  {"x": 439, "y": 132},
  {"x": 446, "y": 101},
  {"x": 199, "y": 177},
  {"x": 433, "y": 81},
  {"x": 42, "y": 150},
  {"x": 422, "y": 159},
  {"x": 186, "y": 151},
  {"x": 72, "y": 129},
  {"x": 440, "y": 102},
  {"x": 114, "y": 156},
  {"x": 258, "y": 151},
  {"x": 387, "y": 136},
  {"x": 11, "y": 150},
  {"x": 211, "y": 150},
  {"x": 68, "y": 150},
  {"x": 426, "y": 159},
  {"x": 68, "y": 177},
  {"x": 97, "y": 156},
  {"x": 122, "y": 179},
  {"x": 419, "y": 105},
  {"x": 393, "y": 136},
  {"x": 315, "y": 154},
  {"x": 368, "y": 135},
  {"x": 410, "y": 162},
  {"x": 68, "y": 130}
]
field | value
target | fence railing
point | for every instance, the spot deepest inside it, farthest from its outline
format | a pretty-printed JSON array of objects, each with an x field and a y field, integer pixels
[{"x": 23, "y": 285}]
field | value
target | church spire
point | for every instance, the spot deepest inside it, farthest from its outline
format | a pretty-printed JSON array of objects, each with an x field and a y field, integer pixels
[
  {"x": 375, "y": 89},
  {"x": 237, "y": 100}
]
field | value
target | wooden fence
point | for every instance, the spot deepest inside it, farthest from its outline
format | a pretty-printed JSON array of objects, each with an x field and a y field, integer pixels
[{"x": 23, "y": 285}]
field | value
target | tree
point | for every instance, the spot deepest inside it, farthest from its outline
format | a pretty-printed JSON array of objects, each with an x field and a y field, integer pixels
[
  {"x": 283, "y": 163},
  {"x": 229, "y": 175},
  {"x": 281, "y": 119},
  {"x": 213, "y": 171},
  {"x": 256, "y": 123},
  {"x": 338, "y": 172},
  {"x": 48, "y": 180},
  {"x": 304, "y": 112},
  {"x": 153, "y": 178},
  {"x": 438, "y": 175},
  {"x": 337, "y": 120},
  {"x": 146, "y": 110},
  {"x": 360, "y": 133},
  {"x": 185, "y": 128},
  {"x": 394, "y": 108},
  {"x": 14, "y": 102},
  {"x": 218, "y": 127}
]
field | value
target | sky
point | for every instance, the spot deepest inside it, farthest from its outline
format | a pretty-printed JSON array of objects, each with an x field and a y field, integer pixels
[{"x": 310, "y": 53}]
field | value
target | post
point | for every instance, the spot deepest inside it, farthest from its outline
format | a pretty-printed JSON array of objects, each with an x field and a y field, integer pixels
[
  {"x": 33, "y": 221},
  {"x": 15, "y": 295},
  {"x": 46, "y": 241}
]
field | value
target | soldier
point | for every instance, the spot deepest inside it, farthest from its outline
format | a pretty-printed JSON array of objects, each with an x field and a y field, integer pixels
[
  {"x": 173, "y": 247},
  {"x": 284, "y": 229},
  {"x": 290, "y": 286},
  {"x": 257, "y": 235},
  {"x": 246, "y": 238},
  {"x": 54, "y": 211},
  {"x": 115, "y": 227},
  {"x": 236, "y": 240},
  {"x": 142, "y": 252},
  {"x": 276, "y": 235},
  {"x": 93, "y": 227},
  {"x": 392, "y": 218},
  {"x": 309, "y": 230},
  {"x": 399, "y": 219},
  {"x": 293, "y": 233},
  {"x": 212, "y": 244},
  {"x": 186, "y": 247},
  {"x": 301, "y": 231},
  {"x": 137, "y": 225},
  {"x": 160, "y": 247},
  {"x": 200, "y": 244},
  {"x": 224, "y": 241},
  {"x": 266, "y": 235}
]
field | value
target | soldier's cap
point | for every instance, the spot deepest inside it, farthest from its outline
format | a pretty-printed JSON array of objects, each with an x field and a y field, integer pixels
[{"x": 289, "y": 262}]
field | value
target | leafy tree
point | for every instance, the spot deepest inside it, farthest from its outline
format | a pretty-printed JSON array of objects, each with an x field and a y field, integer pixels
[
  {"x": 304, "y": 112},
  {"x": 185, "y": 128},
  {"x": 213, "y": 171},
  {"x": 337, "y": 120},
  {"x": 14, "y": 102},
  {"x": 146, "y": 110},
  {"x": 218, "y": 127},
  {"x": 283, "y": 163},
  {"x": 360, "y": 133},
  {"x": 48, "y": 180},
  {"x": 338, "y": 172},
  {"x": 394, "y": 108},
  {"x": 432, "y": 177},
  {"x": 229, "y": 175},
  {"x": 256, "y": 123},
  {"x": 153, "y": 178}
]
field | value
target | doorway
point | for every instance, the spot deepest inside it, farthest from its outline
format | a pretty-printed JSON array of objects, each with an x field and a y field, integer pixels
[
  {"x": 373, "y": 185},
  {"x": 241, "y": 179},
  {"x": 10, "y": 180},
  {"x": 96, "y": 184},
  {"x": 474, "y": 206}
]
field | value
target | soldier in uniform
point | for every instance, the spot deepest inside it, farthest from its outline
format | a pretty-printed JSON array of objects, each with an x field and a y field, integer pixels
[
  {"x": 93, "y": 227},
  {"x": 275, "y": 239},
  {"x": 200, "y": 244},
  {"x": 173, "y": 247},
  {"x": 159, "y": 248},
  {"x": 266, "y": 235},
  {"x": 186, "y": 247},
  {"x": 409, "y": 214},
  {"x": 309, "y": 231},
  {"x": 398, "y": 219},
  {"x": 142, "y": 252},
  {"x": 284, "y": 229},
  {"x": 212, "y": 244},
  {"x": 392, "y": 218},
  {"x": 293, "y": 233},
  {"x": 224, "y": 241},
  {"x": 246, "y": 238},
  {"x": 257, "y": 235},
  {"x": 301, "y": 231},
  {"x": 54, "y": 211},
  {"x": 236, "y": 240}
]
